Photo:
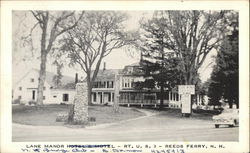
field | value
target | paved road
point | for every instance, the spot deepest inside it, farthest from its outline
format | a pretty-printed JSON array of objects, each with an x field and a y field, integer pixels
[{"x": 159, "y": 127}]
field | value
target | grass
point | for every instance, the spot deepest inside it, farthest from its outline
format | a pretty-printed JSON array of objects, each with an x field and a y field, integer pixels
[{"x": 46, "y": 115}]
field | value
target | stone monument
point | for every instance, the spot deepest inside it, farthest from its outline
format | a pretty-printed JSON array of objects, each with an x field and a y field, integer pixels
[{"x": 81, "y": 104}]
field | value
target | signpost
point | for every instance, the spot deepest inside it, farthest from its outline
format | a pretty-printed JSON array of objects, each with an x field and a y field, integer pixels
[{"x": 186, "y": 91}]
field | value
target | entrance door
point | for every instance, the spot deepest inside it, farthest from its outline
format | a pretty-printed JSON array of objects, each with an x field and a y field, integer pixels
[
  {"x": 101, "y": 98},
  {"x": 33, "y": 94}
]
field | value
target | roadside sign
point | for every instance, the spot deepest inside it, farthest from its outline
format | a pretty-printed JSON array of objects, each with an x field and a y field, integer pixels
[
  {"x": 186, "y": 104},
  {"x": 186, "y": 89}
]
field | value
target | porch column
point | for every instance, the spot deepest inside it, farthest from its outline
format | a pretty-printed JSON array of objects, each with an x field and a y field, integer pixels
[
  {"x": 175, "y": 97},
  {"x": 111, "y": 96},
  {"x": 102, "y": 98},
  {"x": 179, "y": 100},
  {"x": 198, "y": 100}
]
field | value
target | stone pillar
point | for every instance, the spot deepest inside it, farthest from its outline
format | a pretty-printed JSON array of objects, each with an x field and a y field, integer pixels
[{"x": 81, "y": 104}]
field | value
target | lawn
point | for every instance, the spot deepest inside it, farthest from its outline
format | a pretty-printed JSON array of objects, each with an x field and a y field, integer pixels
[{"x": 46, "y": 115}]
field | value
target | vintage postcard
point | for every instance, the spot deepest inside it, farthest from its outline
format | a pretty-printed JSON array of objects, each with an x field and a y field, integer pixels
[{"x": 123, "y": 76}]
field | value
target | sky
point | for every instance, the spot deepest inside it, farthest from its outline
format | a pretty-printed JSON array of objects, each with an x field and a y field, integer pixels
[{"x": 117, "y": 59}]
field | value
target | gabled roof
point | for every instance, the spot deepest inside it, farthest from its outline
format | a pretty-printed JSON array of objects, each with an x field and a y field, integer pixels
[
  {"x": 134, "y": 64},
  {"x": 67, "y": 81},
  {"x": 107, "y": 74}
]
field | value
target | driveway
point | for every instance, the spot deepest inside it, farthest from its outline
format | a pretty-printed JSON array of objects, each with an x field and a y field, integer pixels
[{"x": 153, "y": 127}]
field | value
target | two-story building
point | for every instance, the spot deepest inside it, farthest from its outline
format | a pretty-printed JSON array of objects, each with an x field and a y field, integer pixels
[
  {"x": 103, "y": 87},
  {"x": 103, "y": 90}
]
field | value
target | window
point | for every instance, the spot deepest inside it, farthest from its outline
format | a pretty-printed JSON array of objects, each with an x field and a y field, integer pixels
[
  {"x": 54, "y": 96},
  {"x": 95, "y": 85},
  {"x": 65, "y": 97},
  {"x": 108, "y": 85},
  {"x": 19, "y": 97},
  {"x": 33, "y": 94},
  {"x": 109, "y": 96},
  {"x": 20, "y": 88},
  {"x": 99, "y": 84},
  {"x": 102, "y": 84},
  {"x": 112, "y": 84},
  {"x": 32, "y": 80},
  {"x": 44, "y": 88},
  {"x": 130, "y": 69},
  {"x": 94, "y": 97},
  {"x": 43, "y": 97}
]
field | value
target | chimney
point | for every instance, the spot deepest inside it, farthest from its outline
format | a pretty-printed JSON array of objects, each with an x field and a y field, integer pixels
[
  {"x": 104, "y": 66},
  {"x": 76, "y": 78}
]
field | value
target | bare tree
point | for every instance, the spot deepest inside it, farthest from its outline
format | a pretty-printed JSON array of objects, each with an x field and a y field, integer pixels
[
  {"x": 191, "y": 35},
  {"x": 52, "y": 24},
  {"x": 95, "y": 37}
]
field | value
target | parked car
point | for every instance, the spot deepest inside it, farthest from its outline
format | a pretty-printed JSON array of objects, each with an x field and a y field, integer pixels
[{"x": 227, "y": 117}]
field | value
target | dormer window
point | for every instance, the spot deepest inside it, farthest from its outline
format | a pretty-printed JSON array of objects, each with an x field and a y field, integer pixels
[
  {"x": 130, "y": 69},
  {"x": 32, "y": 80}
]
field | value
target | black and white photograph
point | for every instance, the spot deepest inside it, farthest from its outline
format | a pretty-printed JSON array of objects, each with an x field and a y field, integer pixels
[
  {"x": 146, "y": 75},
  {"x": 160, "y": 75}
]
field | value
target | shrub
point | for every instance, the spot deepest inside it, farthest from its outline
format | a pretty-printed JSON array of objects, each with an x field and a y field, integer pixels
[
  {"x": 91, "y": 119},
  {"x": 32, "y": 102},
  {"x": 62, "y": 117},
  {"x": 16, "y": 101}
]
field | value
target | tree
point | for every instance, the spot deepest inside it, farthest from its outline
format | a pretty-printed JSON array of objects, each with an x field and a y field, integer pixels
[
  {"x": 52, "y": 24},
  {"x": 224, "y": 83},
  {"x": 162, "y": 74},
  {"x": 160, "y": 65},
  {"x": 190, "y": 35},
  {"x": 95, "y": 37}
]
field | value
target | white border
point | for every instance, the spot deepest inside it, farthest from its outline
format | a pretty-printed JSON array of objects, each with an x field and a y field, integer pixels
[{"x": 6, "y": 73}]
